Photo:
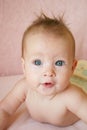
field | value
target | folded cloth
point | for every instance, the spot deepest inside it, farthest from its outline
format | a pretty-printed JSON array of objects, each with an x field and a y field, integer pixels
[
  {"x": 81, "y": 69},
  {"x": 79, "y": 77}
]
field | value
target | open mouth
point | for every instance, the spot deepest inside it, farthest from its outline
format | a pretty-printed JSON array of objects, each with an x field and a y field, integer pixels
[{"x": 48, "y": 85}]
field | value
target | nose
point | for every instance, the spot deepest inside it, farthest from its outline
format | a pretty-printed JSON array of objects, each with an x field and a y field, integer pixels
[{"x": 49, "y": 73}]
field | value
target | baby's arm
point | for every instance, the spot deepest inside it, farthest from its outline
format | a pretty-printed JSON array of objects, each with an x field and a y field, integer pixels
[
  {"x": 77, "y": 103},
  {"x": 11, "y": 102}
]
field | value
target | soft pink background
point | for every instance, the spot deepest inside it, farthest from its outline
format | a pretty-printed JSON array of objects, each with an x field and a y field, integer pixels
[{"x": 16, "y": 15}]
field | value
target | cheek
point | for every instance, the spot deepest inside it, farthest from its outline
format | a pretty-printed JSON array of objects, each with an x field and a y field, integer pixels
[
  {"x": 32, "y": 76},
  {"x": 32, "y": 80},
  {"x": 64, "y": 77},
  {"x": 30, "y": 70}
]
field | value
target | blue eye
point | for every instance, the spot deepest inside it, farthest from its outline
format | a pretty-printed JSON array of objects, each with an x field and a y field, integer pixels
[
  {"x": 59, "y": 63},
  {"x": 37, "y": 62}
]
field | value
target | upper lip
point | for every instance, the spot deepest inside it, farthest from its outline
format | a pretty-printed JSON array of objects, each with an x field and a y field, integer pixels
[{"x": 48, "y": 81}]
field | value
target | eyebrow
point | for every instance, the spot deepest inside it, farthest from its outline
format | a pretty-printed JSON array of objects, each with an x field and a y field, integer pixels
[{"x": 35, "y": 55}]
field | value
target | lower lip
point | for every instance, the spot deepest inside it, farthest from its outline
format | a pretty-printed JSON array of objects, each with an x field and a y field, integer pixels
[{"x": 48, "y": 85}]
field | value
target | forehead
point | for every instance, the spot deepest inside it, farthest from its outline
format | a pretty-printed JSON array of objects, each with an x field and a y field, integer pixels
[
  {"x": 47, "y": 43},
  {"x": 46, "y": 39}
]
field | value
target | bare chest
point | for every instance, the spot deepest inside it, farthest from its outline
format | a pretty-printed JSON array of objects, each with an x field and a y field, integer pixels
[{"x": 43, "y": 110}]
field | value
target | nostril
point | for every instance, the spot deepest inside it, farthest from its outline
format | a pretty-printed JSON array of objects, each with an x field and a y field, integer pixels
[
  {"x": 44, "y": 74},
  {"x": 49, "y": 74}
]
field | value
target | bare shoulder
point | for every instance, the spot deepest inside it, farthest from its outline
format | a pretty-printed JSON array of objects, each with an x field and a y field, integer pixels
[
  {"x": 15, "y": 97},
  {"x": 18, "y": 92},
  {"x": 75, "y": 96},
  {"x": 21, "y": 86},
  {"x": 22, "y": 83},
  {"x": 75, "y": 91}
]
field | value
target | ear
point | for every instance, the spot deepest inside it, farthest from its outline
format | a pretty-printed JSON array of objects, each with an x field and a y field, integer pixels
[
  {"x": 23, "y": 65},
  {"x": 74, "y": 64}
]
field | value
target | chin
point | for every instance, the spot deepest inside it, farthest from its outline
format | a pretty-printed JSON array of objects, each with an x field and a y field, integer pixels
[{"x": 46, "y": 92}]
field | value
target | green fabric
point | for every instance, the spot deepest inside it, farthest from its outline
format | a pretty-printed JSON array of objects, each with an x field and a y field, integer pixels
[{"x": 79, "y": 82}]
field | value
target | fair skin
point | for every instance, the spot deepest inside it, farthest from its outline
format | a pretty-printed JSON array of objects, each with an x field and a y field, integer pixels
[{"x": 48, "y": 65}]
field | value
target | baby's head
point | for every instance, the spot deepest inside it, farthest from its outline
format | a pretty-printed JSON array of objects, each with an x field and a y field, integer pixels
[
  {"x": 50, "y": 27},
  {"x": 48, "y": 53}
]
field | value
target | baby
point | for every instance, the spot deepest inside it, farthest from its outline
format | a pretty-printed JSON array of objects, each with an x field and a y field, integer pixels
[{"x": 48, "y": 60}]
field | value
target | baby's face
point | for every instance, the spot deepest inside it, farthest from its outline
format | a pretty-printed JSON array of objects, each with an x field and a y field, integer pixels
[{"x": 48, "y": 63}]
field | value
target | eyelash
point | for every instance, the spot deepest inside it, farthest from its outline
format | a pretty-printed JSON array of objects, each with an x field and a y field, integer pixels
[
  {"x": 60, "y": 63},
  {"x": 57, "y": 63},
  {"x": 37, "y": 62}
]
